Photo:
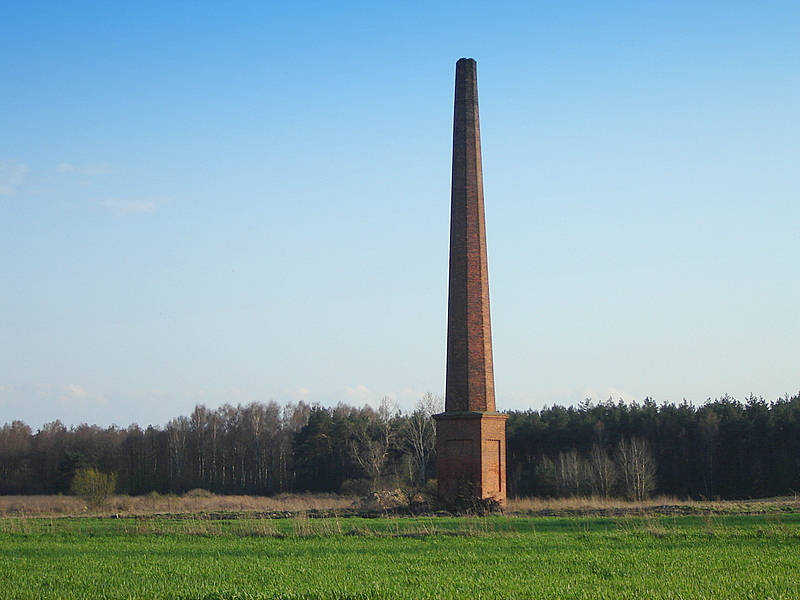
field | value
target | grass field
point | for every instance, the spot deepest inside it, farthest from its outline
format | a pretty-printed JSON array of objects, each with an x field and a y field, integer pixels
[{"x": 194, "y": 557}]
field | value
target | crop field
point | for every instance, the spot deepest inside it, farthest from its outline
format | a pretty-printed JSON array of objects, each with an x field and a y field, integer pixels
[{"x": 213, "y": 557}]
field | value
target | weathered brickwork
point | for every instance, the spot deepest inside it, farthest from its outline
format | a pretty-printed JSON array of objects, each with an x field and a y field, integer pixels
[
  {"x": 470, "y": 372},
  {"x": 471, "y": 455},
  {"x": 470, "y": 434}
]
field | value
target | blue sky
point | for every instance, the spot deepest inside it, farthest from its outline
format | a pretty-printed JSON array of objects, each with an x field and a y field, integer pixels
[{"x": 206, "y": 203}]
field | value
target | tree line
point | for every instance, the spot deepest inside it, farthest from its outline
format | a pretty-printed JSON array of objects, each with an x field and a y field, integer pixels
[
  {"x": 257, "y": 449},
  {"x": 724, "y": 448}
]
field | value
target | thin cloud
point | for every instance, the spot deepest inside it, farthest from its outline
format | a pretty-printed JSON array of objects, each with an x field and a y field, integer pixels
[
  {"x": 360, "y": 391},
  {"x": 119, "y": 207},
  {"x": 69, "y": 394},
  {"x": 561, "y": 397},
  {"x": 612, "y": 394},
  {"x": 89, "y": 169},
  {"x": 298, "y": 393},
  {"x": 40, "y": 403},
  {"x": 12, "y": 174},
  {"x": 218, "y": 396}
]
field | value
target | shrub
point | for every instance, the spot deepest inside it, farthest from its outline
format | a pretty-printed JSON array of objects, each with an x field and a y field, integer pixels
[
  {"x": 93, "y": 486},
  {"x": 198, "y": 493}
]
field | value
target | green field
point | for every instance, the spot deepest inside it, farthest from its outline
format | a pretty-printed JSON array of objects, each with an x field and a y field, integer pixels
[{"x": 754, "y": 557}]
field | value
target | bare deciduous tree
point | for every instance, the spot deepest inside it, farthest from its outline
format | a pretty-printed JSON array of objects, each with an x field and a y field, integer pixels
[
  {"x": 419, "y": 434},
  {"x": 637, "y": 468},
  {"x": 373, "y": 436},
  {"x": 603, "y": 472},
  {"x": 572, "y": 474}
]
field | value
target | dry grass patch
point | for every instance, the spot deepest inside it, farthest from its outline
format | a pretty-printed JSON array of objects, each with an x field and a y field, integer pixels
[
  {"x": 296, "y": 505},
  {"x": 160, "y": 503},
  {"x": 595, "y": 505},
  {"x": 588, "y": 503}
]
